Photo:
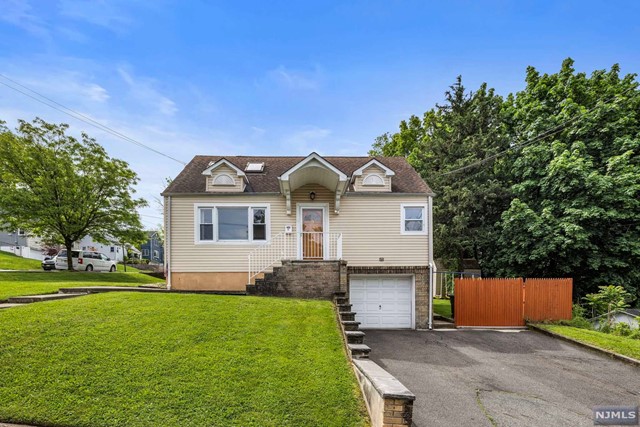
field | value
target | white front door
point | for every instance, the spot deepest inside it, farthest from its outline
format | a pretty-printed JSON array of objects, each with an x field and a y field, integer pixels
[{"x": 382, "y": 302}]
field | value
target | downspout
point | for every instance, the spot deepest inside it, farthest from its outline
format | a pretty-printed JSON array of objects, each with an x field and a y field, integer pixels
[
  {"x": 167, "y": 242},
  {"x": 431, "y": 266}
]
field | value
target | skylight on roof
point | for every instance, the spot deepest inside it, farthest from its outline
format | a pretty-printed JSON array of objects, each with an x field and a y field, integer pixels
[{"x": 254, "y": 167}]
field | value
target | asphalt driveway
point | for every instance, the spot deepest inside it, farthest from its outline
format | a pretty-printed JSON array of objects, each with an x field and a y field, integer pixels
[{"x": 510, "y": 378}]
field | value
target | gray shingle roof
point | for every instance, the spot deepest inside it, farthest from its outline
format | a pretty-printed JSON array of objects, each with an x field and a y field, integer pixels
[{"x": 191, "y": 180}]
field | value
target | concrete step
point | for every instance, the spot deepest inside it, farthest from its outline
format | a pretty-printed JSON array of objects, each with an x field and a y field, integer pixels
[
  {"x": 341, "y": 300},
  {"x": 443, "y": 324},
  {"x": 347, "y": 315},
  {"x": 344, "y": 307},
  {"x": 354, "y": 337},
  {"x": 359, "y": 351},
  {"x": 350, "y": 325},
  {"x": 9, "y": 305},
  {"x": 39, "y": 298},
  {"x": 92, "y": 289}
]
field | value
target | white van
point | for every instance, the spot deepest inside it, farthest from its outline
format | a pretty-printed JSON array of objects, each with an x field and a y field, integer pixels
[{"x": 85, "y": 260}]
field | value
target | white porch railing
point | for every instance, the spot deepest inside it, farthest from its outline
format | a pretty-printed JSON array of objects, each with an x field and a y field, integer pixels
[{"x": 295, "y": 246}]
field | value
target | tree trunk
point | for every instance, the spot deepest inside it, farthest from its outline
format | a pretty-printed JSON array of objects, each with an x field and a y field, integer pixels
[{"x": 69, "y": 245}]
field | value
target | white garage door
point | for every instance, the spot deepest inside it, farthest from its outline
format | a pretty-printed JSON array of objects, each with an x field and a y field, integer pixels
[{"x": 382, "y": 302}]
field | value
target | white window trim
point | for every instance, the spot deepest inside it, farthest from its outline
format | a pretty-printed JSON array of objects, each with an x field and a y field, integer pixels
[
  {"x": 215, "y": 241},
  {"x": 372, "y": 175},
  {"x": 425, "y": 221},
  {"x": 223, "y": 175},
  {"x": 387, "y": 171},
  {"x": 325, "y": 225}
]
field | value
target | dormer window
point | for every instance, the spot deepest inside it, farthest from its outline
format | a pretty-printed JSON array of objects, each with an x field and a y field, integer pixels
[
  {"x": 373, "y": 179},
  {"x": 223, "y": 179}
]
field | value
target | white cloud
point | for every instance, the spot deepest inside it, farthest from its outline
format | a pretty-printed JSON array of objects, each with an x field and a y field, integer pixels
[
  {"x": 97, "y": 93},
  {"x": 20, "y": 13},
  {"x": 304, "y": 141},
  {"x": 107, "y": 14},
  {"x": 142, "y": 89},
  {"x": 295, "y": 79}
]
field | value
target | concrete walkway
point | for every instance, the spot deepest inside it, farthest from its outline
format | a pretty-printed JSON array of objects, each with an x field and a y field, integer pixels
[{"x": 504, "y": 378}]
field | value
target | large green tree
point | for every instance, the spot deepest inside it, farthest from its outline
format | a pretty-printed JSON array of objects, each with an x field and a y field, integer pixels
[
  {"x": 576, "y": 206},
  {"x": 63, "y": 189},
  {"x": 467, "y": 128}
]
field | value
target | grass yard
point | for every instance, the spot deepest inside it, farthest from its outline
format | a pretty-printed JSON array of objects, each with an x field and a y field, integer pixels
[
  {"x": 9, "y": 261},
  {"x": 130, "y": 269},
  {"x": 14, "y": 284},
  {"x": 132, "y": 359},
  {"x": 622, "y": 345},
  {"x": 442, "y": 307}
]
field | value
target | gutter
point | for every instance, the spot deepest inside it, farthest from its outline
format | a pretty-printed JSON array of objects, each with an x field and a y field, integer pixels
[
  {"x": 167, "y": 241},
  {"x": 431, "y": 265}
]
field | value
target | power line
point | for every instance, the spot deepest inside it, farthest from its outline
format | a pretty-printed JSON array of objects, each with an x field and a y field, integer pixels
[
  {"x": 79, "y": 116},
  {"x": 537, "y": 138},
  {"x": 151, "y": 216}
]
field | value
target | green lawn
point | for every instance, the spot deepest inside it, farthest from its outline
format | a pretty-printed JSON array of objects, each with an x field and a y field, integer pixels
[
  {"x": 132, "y": 359},
  {"x": 130, "y": 269},
  {"x": 442, "y": 307},
  {"x": 14, "y": 284},
  {"x": 9, "y": 261},
  {"x": 621, "y": 345}
]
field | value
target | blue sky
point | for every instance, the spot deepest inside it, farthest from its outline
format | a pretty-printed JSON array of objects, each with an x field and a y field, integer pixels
[{"x": 282, "y": 78}]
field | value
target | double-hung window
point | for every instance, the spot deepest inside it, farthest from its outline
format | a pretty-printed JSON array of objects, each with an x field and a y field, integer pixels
[
  {"x": 232, "y": 224},
  {"x": 414, "y": 219}
]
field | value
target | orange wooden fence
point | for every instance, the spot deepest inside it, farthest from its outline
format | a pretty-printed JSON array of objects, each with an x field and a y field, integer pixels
[
  {"x": 548, "y": 299},
  {"x": 509, "y": 302}
]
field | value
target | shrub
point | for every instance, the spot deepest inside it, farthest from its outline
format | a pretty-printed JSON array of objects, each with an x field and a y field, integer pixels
[
  {"x": 577, "y": 319},
  {"x": 621, "y": 329},
  {"x": 635, "y": 334}
]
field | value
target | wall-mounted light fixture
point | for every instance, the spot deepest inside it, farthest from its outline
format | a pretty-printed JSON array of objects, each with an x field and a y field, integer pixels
[{"x": 312, "y": 195}]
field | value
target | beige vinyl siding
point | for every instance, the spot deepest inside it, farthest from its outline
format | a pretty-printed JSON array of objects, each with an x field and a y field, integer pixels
[
  {"x": 223, "y": 169},
  {"x": 370, "y": 225},
  {"x": 376, "y": 170},
  {"x": 189, "y": 256}
]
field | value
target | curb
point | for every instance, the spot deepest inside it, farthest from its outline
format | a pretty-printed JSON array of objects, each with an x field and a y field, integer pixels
[{"x": 611, "y": 354}]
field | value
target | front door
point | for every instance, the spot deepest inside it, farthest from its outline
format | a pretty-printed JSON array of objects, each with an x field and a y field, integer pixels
[{"x": 312, "y": 233}]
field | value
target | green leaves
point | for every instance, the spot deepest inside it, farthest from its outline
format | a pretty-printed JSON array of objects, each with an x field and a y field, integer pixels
[
  {"x": 567, "y": 204},
  {"x": 63, "y": 189}
]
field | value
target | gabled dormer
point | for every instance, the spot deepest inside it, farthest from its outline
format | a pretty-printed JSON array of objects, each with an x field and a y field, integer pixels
[
  {"x": 373, "y": 176},
  {"x": 224, "y": 177}
]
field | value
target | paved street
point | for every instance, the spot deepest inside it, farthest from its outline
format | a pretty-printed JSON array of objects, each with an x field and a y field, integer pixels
[{"x": 510, "y": 378}]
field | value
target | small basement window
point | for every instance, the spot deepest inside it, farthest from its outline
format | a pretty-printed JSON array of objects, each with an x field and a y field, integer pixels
[{"x": 254, "y": 167}]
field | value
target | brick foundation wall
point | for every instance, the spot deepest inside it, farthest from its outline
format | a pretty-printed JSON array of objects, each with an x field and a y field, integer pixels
[{"x": 421, "y": 274}]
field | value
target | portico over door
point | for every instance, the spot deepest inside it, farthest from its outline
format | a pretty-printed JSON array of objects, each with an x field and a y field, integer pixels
[{"x": 312, "y": 235}]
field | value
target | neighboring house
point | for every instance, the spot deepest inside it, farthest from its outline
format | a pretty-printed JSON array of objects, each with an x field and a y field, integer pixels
[
  {"x": 113, "y": 250},
  {"x": 153, "y": 248},
  {"x": 629, "y": 316},
  {"x": 307, "y": 227},
  {"x": 20, "y": 243}
]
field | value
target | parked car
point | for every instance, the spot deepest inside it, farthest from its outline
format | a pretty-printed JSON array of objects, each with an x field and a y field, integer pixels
[
  {"x": 49, "y": 263},
  {"x": 85, "y": 260}
]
